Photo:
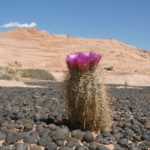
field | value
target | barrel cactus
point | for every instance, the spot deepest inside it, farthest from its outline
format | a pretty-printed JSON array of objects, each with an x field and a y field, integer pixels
[{"x": 86, "y": 98}]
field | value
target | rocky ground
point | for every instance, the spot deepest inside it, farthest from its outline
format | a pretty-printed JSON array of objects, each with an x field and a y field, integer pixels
[{"x": 34, "y": 119}]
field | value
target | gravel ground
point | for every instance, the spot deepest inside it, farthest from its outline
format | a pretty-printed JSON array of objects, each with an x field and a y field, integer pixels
[{"x": 34, "y": 119}]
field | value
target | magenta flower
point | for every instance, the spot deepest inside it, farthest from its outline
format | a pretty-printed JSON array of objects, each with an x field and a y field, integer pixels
[{"x": 82, "y": 62}]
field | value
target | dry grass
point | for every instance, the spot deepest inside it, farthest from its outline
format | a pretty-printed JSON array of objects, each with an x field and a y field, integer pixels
[
  {"x": 8, "y": 73},
  {"x": 87, "y": 101}
]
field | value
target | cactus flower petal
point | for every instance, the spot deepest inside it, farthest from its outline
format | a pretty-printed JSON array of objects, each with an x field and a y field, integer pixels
[{"x": 81, "y": 62}]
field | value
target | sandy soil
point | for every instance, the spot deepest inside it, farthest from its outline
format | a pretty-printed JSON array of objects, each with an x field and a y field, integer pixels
[{"x": 32, "y": 48}]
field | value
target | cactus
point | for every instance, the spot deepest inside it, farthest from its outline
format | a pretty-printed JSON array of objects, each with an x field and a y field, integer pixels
[{"x": 86, "y": 97}]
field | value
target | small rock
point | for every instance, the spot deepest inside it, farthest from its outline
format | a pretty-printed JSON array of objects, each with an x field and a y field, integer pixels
[
  {"x": 60, "y": 134},
  {"x": 28, "y": 127},
  {"x": 51, "y": 146},
  {"x": 77, "y": 134},
  {"x": 137, "y": 138},
  {"x": 71, "y": 142},
  {"x": 145, "y": 136},
  {"x": 118, "y": 135},
  {"x": 10, "y": 147},
  {"x": 106, "y": 134},
  {"x": 102, "y": 147},
  {"x": 65, "y": 130},
  {"x": 16, "y": 116},
  {"x": 52, "y": 127},
  {"x": 65, "y": 148},
  {"x": 99, "y": 139},
  {"x": 80, "y": 147},
  {"x": 123, "y": 142},
  {"x": 35, "y": 147},
  {"x": 37, "y": 117},
  {"x": 44, "y": 141},
  {"x": 2, "y": 136},
  {"x": 147, "y": 125},
  {"x": 60, "y": 142},
  {"x": 41, "y": 130},
  {"x": 88, "y": 137},
  {"x": 21, "y": 146},
  {"x": 12, "y": 137},
  {"x": 93, "y": 146},
  {"x": 136, "y": 129}
]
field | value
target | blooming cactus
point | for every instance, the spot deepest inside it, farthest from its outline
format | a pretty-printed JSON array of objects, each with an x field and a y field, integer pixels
[
  {"x": 82, "y": 62},
  {"x": 86, "y": 97}
]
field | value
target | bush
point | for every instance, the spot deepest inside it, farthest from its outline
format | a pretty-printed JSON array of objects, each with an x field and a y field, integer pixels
[
  {"x": 36, "y": 74},
  {"x": 5, "y": 77},
  {"x": 8, "y": 73}
]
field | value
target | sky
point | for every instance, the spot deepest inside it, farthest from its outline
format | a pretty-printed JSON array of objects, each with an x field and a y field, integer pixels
[{"x": 124, "y": 20}]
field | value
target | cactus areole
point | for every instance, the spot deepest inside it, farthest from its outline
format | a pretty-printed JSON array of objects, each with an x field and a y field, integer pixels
[{"x": 86, "y": 99}]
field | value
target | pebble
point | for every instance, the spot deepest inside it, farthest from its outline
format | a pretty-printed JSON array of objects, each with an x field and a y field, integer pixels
[
  {"x": 36, "y": 147},
  {"x": 77, "y": 134},
  {"x": 145, "y": 136},
  {"x": 60, "y": 134},
  {"x": 71, "y": 142},
  {"x": 65, "y": 148},
  {"x": 88, "y": 137},
  {"x": 2, "y": 136},
  {"x": 93, "y": 146},
  {"x": 102, "y": 147},
  {"x": 12, "y": 137},
  {"x": 123, "y": 142},
  {"x": 99, "y": 139},
  {"x": 80, "y": 147},
  {"x": 44, "y": 140},
  {"x": 22, "y": 146}
]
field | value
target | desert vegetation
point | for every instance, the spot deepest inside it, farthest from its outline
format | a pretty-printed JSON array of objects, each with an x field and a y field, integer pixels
[
  {"x": 86, "y": 97},
  {"x": 8, "y": 73}
]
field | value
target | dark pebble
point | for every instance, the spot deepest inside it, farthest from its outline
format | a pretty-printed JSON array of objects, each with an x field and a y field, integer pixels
[
  {"x": 41, "y": 130},
  {"x": 21, "y": 146},
  {"x": 35, "y": 147},
  {"x": 77, "y": 134},
  {"x": 44, "y": 140},
  {"x": 52, "y": 127},
  {"x": 28, "y": 127},
  {"x": 71, "y": 142},
  {"x": 32, "y": 138},
  {"x": 60, "y": 134},
  {"x": 99, "y": 139},
  {"x": 123, "y": 142},
  {"x": 51, "y": 146},
  {"x": 106, "y": 134},
  {"x": 65, "y": 148},
  {"x": 9, "y": 147},
  {"x": 88, "y": 137},
  {"x": 12, "y": 137},
  {"x": 60, "y": 142},
  {"x": 102, "y": 147},
  {"x": 118, "y": 135},
  {"x": 37, "y": 117},
  {"x": 146, "y": 136},
  {"x": 2, "y": 136},
  {"x": 79, "y": 147},
  {"x": 93, "y": 146}
]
